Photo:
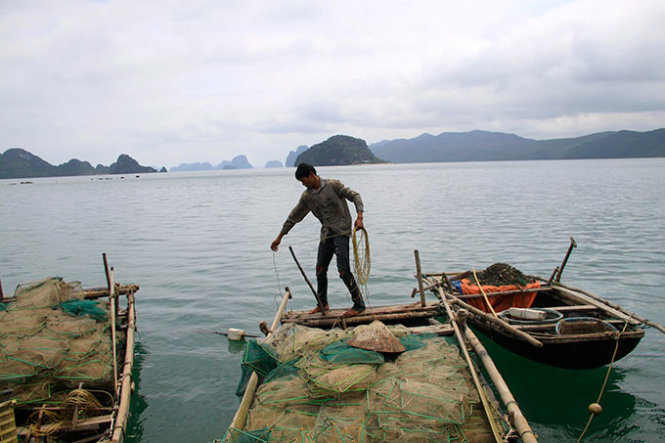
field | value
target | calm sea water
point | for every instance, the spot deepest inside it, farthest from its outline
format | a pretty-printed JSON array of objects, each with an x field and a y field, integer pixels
[{"x": 198, "y": 245}]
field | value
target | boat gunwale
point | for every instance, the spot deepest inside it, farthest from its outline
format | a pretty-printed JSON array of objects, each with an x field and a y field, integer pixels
[{"x": 631, "y": 327}]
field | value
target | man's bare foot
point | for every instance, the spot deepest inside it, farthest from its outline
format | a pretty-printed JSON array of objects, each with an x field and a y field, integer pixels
[
  {"x": 318, "y": 309},
  {"x": 351, "y": 312}
]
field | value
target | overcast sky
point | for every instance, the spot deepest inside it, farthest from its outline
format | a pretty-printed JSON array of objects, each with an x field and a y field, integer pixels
[{"x": 169, "y": 82}]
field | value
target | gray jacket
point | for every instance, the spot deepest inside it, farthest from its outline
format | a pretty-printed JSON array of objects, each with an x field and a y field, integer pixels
[{"x": 328, "y": 204}]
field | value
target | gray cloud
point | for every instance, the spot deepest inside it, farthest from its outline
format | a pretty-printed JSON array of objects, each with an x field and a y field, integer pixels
[{"x": 170, "y": 82}]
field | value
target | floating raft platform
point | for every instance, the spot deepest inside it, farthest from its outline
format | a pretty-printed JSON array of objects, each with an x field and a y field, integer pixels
[
  {"x": 434, "y": 391},
  {"x": 66, "y": 358}
]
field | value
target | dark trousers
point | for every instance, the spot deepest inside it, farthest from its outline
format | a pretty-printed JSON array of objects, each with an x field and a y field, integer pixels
[{"x": 338, "y": 246}]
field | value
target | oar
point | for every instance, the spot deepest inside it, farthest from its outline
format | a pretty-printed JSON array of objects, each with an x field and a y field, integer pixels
[{"x": 309, "y": 283}]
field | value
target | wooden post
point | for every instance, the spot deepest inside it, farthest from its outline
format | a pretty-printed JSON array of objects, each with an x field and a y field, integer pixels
[
  {"x": 419, "y": 276},
  {"x": 2, "y": 296},
  {"x": 445, "y": 278},
  {"x": 565, "y": 259},
  {"x": 106, "y": 269},
  {"x": 108, "y": 277}
]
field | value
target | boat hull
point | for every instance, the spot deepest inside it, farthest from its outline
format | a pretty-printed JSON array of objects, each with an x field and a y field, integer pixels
[{"x": 570, "y": 352}]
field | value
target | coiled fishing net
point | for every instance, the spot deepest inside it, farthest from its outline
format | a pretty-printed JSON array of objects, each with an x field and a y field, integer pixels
[{"x": 331, "y": 395}]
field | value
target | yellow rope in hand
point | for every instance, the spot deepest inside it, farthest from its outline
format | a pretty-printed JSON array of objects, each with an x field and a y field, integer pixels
[{"x": 361, "y": 258}]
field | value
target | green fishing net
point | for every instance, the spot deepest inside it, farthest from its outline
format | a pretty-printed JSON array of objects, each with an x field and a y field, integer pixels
[
  {"x": 340, "y": 352},
  {"x": 257, "y": 357}
]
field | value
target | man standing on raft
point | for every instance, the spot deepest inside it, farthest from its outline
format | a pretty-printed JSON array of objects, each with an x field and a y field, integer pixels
[{"x": 326, "y": 199}]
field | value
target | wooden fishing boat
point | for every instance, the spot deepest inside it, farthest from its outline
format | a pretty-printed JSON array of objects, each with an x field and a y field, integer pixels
[
  {"x": 395, "y": 399},
  {"x": 543, "y": 320},
  {"x": 66, "y": 371}
]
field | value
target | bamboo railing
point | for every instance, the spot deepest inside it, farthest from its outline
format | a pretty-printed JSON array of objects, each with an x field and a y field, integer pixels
[{"x": 240, "y": 416}]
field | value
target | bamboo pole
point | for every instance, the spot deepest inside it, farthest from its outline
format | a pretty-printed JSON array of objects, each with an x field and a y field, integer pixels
[
  {"x": 240, "y": 416},
  {"x": 496, "y": 321},
  {"x": 518, "y": 420},
  {"x": 596, "y": 301},
  {"x": 95, "y": 293},
  {"x": 609, "y": 306},
  {"x": 474, "y": 375},
  {"x": 425, "y": 288},
  {"x": 92, "y": 293},
  {"x": 510, "y": 292},
  {"x": 126, "y": 378},
  {"x": 360, "y": 319},
  {"x": 375, "y": 310},
  {"x": 419, "y": 276},
  {"x": 482, "y": 291},
  {"x": 501, "y": 324},
  {"x": 309, "y": 283},
  {"x": 113, "y": 334}
]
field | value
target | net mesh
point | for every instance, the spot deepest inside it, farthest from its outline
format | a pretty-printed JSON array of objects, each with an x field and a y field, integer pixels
[
  {"x": 51, "y": 340},
  {"x": 425, "y": 394}
]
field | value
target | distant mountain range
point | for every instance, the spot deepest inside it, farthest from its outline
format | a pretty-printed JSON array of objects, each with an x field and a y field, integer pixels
[
  {"x": 238, "y": 162},
  {"x": 492, "y": 146},
  {"x": 19, "y": 163},
  {"x": 344, "y": 150}
]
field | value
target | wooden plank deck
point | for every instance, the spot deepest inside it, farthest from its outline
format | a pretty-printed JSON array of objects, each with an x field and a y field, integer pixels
[{"x": 392, "y": 313}]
